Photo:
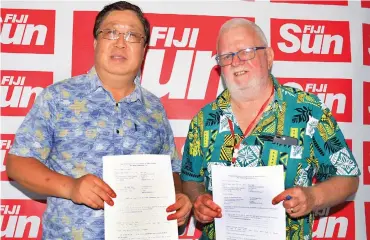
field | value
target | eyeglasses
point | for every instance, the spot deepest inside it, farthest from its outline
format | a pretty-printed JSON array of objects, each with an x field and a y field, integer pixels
[
  {"x": 113, "y": 34},
  {"x": 243, "y": 55}
]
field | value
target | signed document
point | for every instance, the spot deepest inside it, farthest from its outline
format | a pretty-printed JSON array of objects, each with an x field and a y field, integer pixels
[
  {"x": 145, "y": 188},
  {"x": 245, "y": 196}
]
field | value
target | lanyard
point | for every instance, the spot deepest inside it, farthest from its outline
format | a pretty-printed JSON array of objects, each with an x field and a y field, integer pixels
[{"x": 237, "y": 145}]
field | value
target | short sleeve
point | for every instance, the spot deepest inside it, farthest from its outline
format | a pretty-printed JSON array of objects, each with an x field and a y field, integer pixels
[
  {"x": 34, "y": 138},
  {"x": 192, "y": 159},
  {"x": 169, "y": 146},
  {"x": 333, "y": 154}
]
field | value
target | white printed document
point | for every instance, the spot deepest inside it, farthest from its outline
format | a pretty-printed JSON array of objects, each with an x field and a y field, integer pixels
[
  {"x": 145, "y": 188},
  {"x": 245, "y": 196}
]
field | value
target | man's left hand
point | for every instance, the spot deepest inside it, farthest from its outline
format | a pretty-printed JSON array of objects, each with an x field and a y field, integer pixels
[
  {"x": 297, "y": 201},
  {"x": 182, "y": 207}
]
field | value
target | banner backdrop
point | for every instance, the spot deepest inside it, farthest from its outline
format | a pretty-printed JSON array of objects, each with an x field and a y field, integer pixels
[{"x": 321, "y": 47}]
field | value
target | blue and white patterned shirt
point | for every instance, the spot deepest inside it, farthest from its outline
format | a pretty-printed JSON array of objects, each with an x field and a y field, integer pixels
[{"x": 72, "y": 125}]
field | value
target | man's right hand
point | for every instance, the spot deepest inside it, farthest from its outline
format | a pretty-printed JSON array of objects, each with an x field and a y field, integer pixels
[
  {"x": 205, "y": 210},
  {"x": 91, "y": 191}
]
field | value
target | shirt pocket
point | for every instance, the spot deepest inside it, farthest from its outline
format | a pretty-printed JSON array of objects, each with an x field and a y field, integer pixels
[
  {"x": 150, "y": 140},
  {"x": 290, "y": 156}
]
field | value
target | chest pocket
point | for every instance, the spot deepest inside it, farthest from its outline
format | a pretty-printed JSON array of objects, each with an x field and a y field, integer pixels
[
  {"x": 275, "y": 154},
  {"x": 148, "y": 140},
  {"x": 291, "y": 157}
]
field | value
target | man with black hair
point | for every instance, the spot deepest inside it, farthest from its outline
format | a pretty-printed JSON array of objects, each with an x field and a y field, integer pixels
[{"x": 59, "y": 147}]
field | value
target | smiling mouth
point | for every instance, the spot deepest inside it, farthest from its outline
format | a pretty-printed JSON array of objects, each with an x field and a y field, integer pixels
[
  {"x": 240, "y": 73},
  {"x": 118, "y": 57}
]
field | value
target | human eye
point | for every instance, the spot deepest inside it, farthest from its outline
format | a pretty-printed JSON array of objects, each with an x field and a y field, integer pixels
[
  {"x": 109, "y": 33},
  {"x": 226, "y": 57},
  {"x": 245, "y": 52},
  {"x": 133, "y": 36}
]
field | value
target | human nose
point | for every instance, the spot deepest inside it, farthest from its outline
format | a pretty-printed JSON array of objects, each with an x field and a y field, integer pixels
[{"x": 121, "y": 41}]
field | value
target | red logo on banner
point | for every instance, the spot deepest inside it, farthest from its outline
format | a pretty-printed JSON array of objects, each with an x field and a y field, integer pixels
[
  {"x": 192, "y": 230},
  {"x": 335, "y": 93},
  {"x": 335, "y": 223},
  {"x": 366, "y": 163},
  {"x": 82, "y": 43},
  {"x": 19, "y": 90},
  {"x": 21, "y": 219},
  {"x": 366, "y": 105},
  {"x": 349, "y": 143},
  {"x": 180, "y": 65},
  {"x": 341, "y": 3},
  {"x": 310, "y": 40},
  {"x": 366, "y": 42},
  {"x": 367, "y": 218},
  {"x": 365, "y": 3},
  {"x": 6, "y": 143},
  {"x": 27, "y": 31}
]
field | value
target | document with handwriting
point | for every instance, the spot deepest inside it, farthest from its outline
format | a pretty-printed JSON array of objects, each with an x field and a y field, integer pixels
[
  {"x": 245, "y": 196},
  {"x": 145, "y": 188}
]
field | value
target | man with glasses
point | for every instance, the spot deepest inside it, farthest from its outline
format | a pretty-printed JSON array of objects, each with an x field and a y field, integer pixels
[
  {"x": 59, "y": 147},
  {"x": 258, "y": 122}
]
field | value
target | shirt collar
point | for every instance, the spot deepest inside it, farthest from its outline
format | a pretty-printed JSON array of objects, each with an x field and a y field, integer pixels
[
  {"x": 278, "y": 98},
  {"x": 95, "y": 84}
]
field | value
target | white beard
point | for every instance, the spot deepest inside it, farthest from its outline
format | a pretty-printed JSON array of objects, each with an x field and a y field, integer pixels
[{"x": 245, "y": 91}]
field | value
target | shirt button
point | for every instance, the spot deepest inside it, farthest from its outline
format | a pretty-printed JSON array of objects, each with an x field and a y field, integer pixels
[{"x": 117, "y": 131}]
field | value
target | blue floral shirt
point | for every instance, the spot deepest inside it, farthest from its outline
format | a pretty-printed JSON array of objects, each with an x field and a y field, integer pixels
[{"x": 72, "y": 125}]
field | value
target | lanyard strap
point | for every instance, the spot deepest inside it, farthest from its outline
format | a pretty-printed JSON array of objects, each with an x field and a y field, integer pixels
[{"x": 237, "y": 145}]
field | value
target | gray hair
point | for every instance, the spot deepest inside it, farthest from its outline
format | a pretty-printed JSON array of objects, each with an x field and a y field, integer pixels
[{"x": 242, "y": 22}]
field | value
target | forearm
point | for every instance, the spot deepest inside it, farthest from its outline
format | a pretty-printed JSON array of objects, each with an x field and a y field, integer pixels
[
  {"x": 193, "y": 190},
  {"x": 333, "y": 191},
  {"x": 36, "y": 177},
  {"x": 177, "y": 182}
]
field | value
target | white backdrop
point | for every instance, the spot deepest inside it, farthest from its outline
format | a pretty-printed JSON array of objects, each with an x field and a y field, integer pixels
[{"x": 59, "y": 45}]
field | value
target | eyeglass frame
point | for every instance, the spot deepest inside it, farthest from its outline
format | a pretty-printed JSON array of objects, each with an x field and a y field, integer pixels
[
  {"x": 237, "y": 54},
  {"x": 125, "y": 34}
]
